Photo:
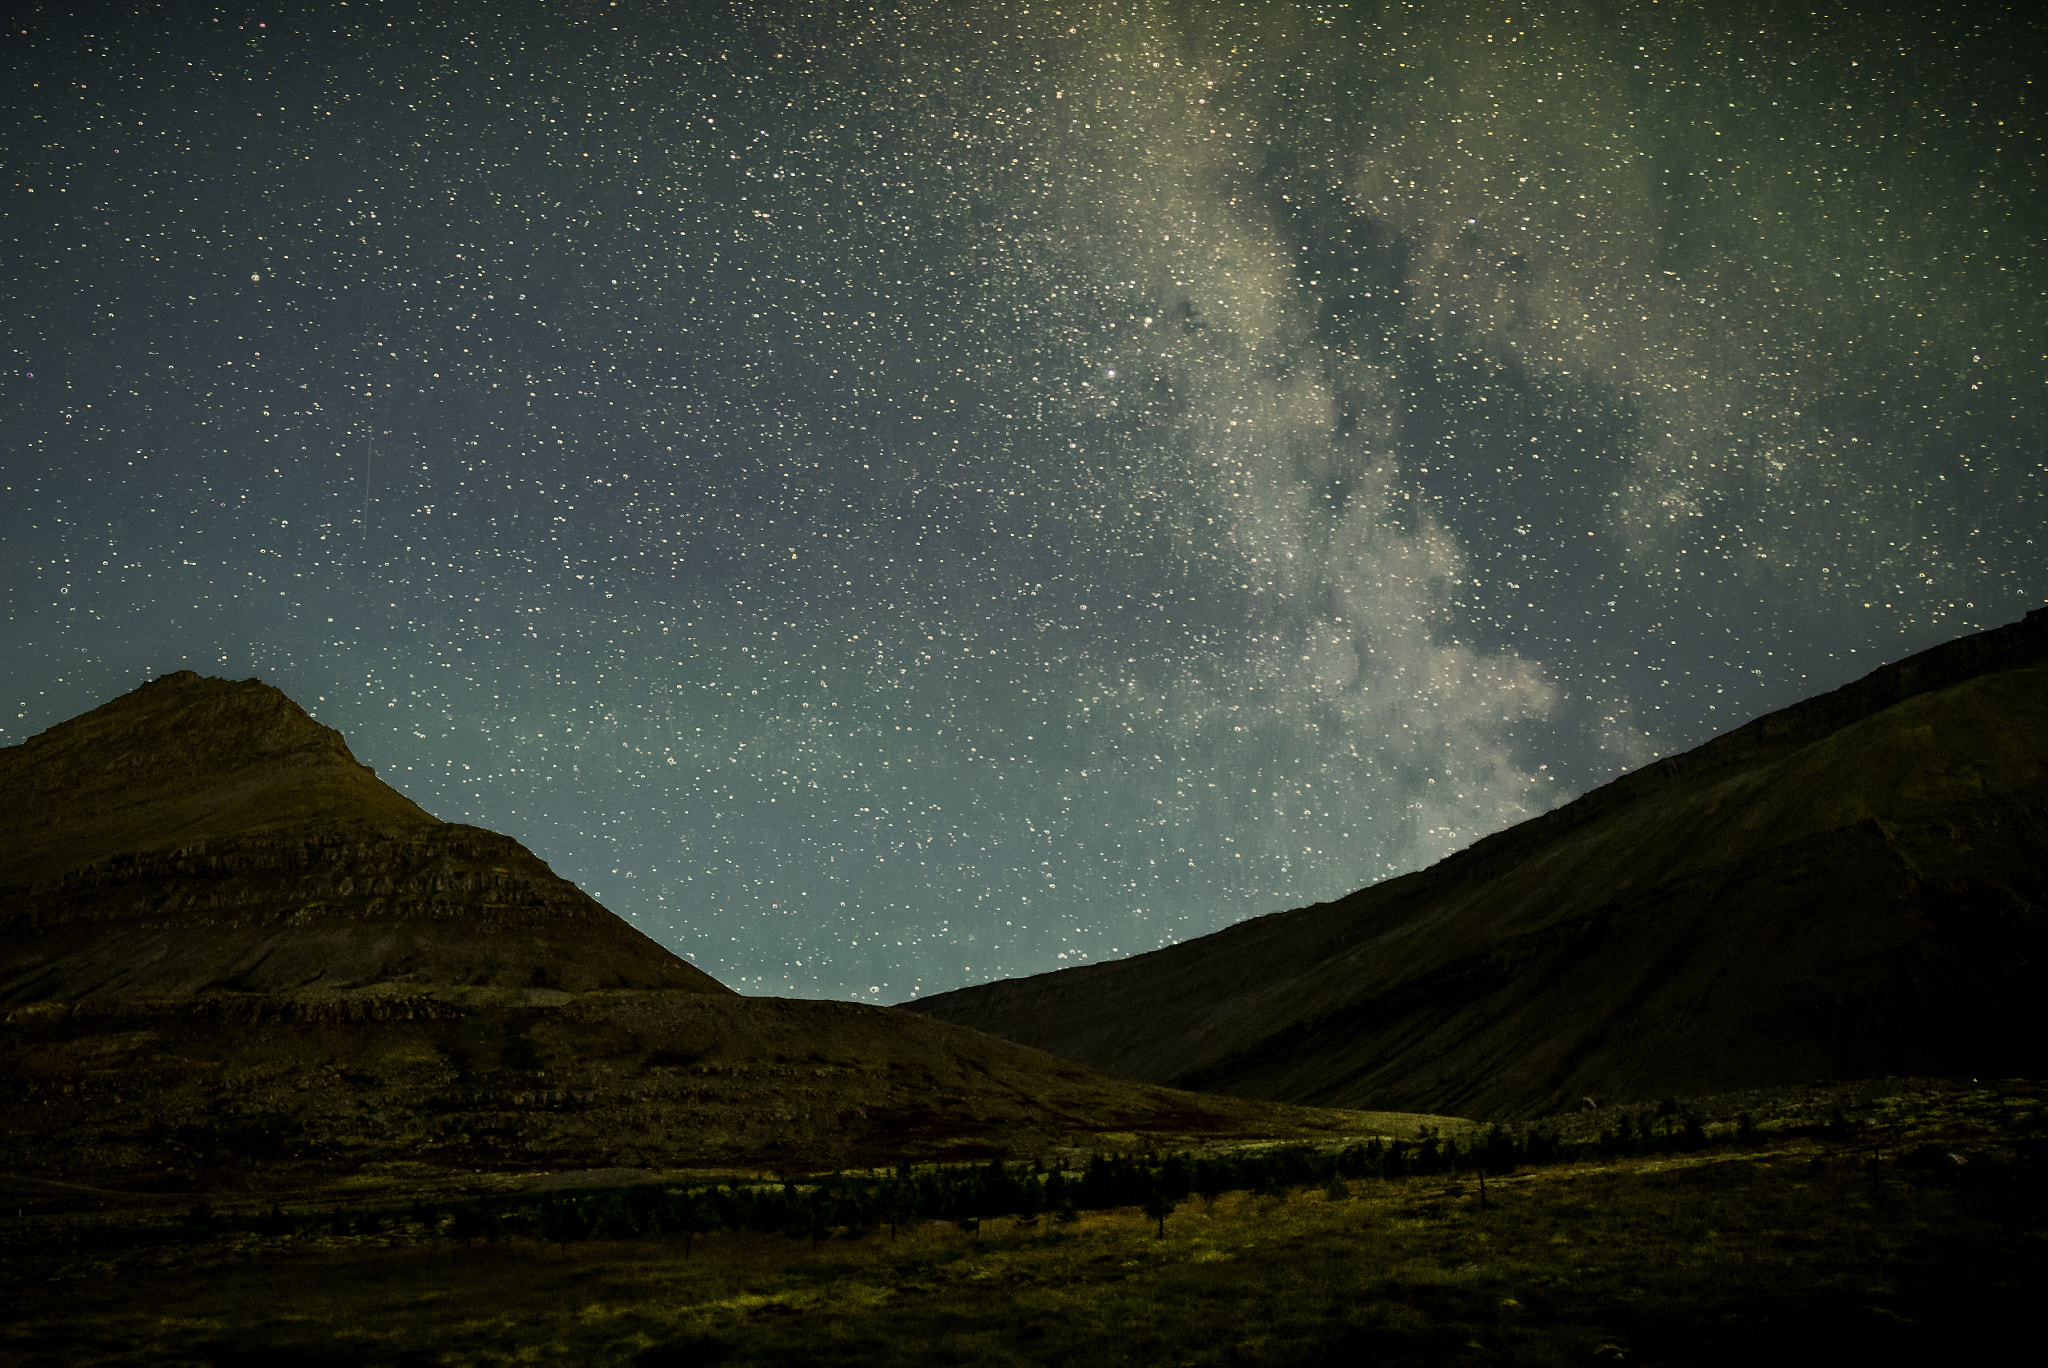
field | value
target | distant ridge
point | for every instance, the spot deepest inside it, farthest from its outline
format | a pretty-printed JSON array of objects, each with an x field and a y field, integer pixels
[
  {"x": 1851, "y": 886},
  {"x": 201, "y": 835}
]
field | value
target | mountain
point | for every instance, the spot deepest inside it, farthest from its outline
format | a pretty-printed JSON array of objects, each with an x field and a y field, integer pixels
[
  {"x": 231, "y": 955},
  {"x": 200, "y": 835},
  {"x": 1851, "y": 887}
]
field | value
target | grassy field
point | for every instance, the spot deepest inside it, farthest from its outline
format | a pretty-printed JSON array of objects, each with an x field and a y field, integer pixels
[{"x": 1785, "y": 1250}]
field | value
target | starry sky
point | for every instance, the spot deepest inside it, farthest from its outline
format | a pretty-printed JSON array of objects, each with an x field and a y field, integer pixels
[{"x": 892, "y": 496}]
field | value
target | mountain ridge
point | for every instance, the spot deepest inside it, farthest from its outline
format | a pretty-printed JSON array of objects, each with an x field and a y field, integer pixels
[{"x": 1536, "y": 965}]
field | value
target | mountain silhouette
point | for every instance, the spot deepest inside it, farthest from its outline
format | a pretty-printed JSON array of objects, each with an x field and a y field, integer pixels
[
  {"x": 204, "y": 835},
  {"x": 232, "y": 957},
  {"x": 1850, "y": 887}
]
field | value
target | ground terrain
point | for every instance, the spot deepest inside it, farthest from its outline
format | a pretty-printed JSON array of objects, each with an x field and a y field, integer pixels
[
  {"x": 229, "y": 1093},
  {"x": 1882, "y": 1222}
]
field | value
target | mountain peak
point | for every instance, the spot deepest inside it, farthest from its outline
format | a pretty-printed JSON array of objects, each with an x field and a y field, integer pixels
[
  {"x": 182, "y": 759},
  {"x": 199, "y": 834}
]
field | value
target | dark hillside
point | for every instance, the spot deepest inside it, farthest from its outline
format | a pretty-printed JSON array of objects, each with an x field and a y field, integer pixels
[{"x": 1850, "y": 887}]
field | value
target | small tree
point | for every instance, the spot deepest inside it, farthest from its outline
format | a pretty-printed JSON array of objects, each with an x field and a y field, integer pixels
[
  {"x": 696, "y": 1218},
  {"x": 1498, "y": 1152},
  {"x": 899, "y": 1202},
  {"x": 465, "y": 1225},
  {"x": 560, "y": 1221},
  {"x": 614, "y": 1219},
  {"x": 1429, "y": 1154},
  {"x": 1159, "y": 1206}
]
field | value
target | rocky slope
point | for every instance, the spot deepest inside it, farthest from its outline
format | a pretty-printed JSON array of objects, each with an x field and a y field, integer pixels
[{"x": 1851, "y": 887}]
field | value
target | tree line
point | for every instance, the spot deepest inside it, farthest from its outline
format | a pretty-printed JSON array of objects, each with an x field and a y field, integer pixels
[{"x": 867, "y": 1203}]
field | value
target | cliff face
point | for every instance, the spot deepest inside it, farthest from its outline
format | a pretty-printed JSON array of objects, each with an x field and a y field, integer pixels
[
  {"x": 200, "y": 835},
  {"x": 1854, "y": 886}
]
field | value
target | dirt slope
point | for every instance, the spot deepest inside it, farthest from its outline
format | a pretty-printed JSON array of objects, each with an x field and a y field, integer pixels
[{"x": 1851, "y": 887}]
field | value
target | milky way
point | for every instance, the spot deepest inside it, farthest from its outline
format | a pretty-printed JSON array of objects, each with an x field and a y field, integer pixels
[{"x": 892, "y": 497}]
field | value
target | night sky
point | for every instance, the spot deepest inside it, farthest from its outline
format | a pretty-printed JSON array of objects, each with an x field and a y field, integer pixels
[{"x": 891, "y": 497}]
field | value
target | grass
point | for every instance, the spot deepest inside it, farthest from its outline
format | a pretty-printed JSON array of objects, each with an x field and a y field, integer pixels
[{"x": 1794, "y": 1252}]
